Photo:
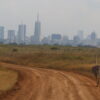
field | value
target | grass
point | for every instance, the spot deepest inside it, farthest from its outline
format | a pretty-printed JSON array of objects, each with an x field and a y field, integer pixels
[
  {"x": 45, "y": 56},
  {"x": 8, "y": 79},
  {"x": 27, "y": 55},
  {"x": 78, "y": 59}
]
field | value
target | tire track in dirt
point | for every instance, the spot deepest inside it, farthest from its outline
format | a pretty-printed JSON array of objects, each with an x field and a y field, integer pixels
[
  {"x": 90, "y": 86},
  {"x": 45, "y": 84}
]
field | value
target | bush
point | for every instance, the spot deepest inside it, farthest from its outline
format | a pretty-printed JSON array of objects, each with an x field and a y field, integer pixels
[
  {"x": 54, "y": 48},
  {"x": 15, "y": 50}
]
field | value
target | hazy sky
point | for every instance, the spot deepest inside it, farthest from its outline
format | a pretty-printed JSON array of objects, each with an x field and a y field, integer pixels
[{"x": 57, "y": 16}]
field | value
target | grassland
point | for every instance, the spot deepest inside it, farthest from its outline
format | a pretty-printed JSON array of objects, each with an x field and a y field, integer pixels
[
  {"x": 49, "y": 56},
  {"x": 8, "y": 79},
  {"x": 79, "y": 59}
]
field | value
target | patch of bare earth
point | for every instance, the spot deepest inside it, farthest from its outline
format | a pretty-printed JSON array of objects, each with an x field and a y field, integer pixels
[{"x": 43, "y": 84}]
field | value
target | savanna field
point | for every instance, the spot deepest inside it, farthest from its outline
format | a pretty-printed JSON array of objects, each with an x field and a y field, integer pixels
[{"x": 76, "y": 59}]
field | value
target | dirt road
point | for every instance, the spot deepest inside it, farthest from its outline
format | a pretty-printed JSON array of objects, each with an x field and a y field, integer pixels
[{"x": 42, "y": 84}]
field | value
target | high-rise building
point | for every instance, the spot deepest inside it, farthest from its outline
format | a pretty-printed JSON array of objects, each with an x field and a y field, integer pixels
[
  {"x": 11, "y": 36},
  {"x": 93, "y": 36},
  {"x": 91, "y": 40},
  {"x": 46, "y": 40},
  {"x": 37, "y": 32},
  {"x": 56, "y": 38},
  {"x": 1, "y": 34},
  {"x": 21, "y": 34},
  {"x": 80, "y": 34},
  {"x": 65, "y": 40}
]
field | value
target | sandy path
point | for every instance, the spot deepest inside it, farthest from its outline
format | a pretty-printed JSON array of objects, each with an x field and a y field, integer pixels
[{"x": 42, "y": 84}]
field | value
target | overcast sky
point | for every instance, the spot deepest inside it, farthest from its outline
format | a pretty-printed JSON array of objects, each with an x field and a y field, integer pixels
[{"x": 57, "y": 16}]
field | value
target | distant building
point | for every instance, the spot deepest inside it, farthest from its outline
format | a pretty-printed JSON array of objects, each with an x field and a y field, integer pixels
[
  {"x": 65, "y": 40},
  {"x": 11, "y": 36},
  {"x": 21, "y": 34},
  {"x": 56, "y": 39},
  {"x": 93, "y": 36},
  {"x": 1, "y": 34},
  {"x": 37, "y": 32},
  {"x": 91, "y": 40},
  {"x": 46, "y": 40},
  {"x": 76, "y": 41},
  {"x": 28, "y": 40},
  {"x": 80, "y": 34},
  {"x": 98, "y": 42}
]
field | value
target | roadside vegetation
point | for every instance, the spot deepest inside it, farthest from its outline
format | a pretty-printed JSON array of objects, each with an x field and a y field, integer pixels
[
  {"x": 78, "y": 59},
  {"x": 8, "y": 79}
]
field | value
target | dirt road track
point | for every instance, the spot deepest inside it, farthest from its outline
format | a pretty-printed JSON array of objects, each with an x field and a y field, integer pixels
[{"x": 43, "y": 84}]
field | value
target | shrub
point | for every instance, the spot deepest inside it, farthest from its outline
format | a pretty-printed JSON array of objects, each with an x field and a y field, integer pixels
[
  {"x": 15, "y": 50},
  {"x": 54, "y": 48}
]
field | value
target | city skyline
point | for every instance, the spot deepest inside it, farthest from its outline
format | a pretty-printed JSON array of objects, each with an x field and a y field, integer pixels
[
  {"x": 24, "y": 26},
  {"x": 20, "y": 37},
  {"x": 37, "y": 30},
  {"x": 26, "y": 33},
  {"x": 63, "y": 16}
]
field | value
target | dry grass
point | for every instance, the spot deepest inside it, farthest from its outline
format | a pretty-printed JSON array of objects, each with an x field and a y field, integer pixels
[
  {"x": 8, "y": 79},
  {"x": 79, "y": 59}
]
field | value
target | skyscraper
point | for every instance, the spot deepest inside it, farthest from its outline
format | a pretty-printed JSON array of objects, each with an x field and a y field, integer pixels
[
  {"x": 80, "y": 34},
  {"x": 37, "y": 32},
  {"x": 11, "y": 36},
  {"x": 93, "y": 36},
  {"x": 1, "y": 34},
  {"x": 21, "y": 34},
  {"x": 56, "y": 38}
]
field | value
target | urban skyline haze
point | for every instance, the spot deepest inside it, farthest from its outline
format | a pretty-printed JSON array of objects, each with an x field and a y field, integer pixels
[{"x": 57, "y": 16}]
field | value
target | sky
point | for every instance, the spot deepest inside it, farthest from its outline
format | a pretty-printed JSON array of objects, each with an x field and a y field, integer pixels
[{"x": 65, "y": 17}]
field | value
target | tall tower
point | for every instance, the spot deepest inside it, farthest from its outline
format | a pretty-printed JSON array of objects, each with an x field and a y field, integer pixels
[
  {"x": 37, "y": 32},
  {"x": 11, "y": 36},
  {"x": 80, "y": 34},
  {"x": 1, "y": 34},
  {"x": 21, "y": 33}
]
